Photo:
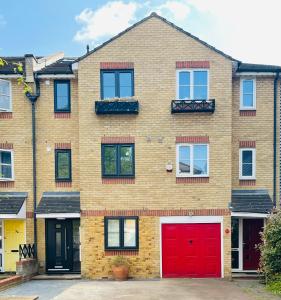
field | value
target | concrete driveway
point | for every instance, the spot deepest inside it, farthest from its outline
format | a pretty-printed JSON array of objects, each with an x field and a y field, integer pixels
[{"x": 166, "y": 289}]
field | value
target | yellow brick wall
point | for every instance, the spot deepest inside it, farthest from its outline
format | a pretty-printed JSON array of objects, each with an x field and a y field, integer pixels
[{"x": 154, "y": 47}]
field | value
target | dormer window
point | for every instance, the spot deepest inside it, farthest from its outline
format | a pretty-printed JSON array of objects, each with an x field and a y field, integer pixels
[
  {"x": 5, "y": 95},
  {"x": 117, "y": 84}
]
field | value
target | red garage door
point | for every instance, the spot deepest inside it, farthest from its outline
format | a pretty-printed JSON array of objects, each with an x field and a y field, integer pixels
[{"x": 191, "y": 250}]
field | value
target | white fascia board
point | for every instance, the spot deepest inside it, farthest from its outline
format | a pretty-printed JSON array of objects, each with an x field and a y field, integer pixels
[
  {"x": 5, "y": 76},
  {"x": 57, "y": 215},
  {"x": 255, "y": 74},
  {"x": 57, "y": 76},
  {"x": 249, "y": 215}
]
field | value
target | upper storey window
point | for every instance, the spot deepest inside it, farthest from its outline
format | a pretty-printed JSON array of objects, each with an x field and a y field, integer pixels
[
  {"x": 117, "y": 84},
  {"x": 192, "y": 84},
  {"x": 248, "y": 94},
  {"x": 6, "y": 165},
  {"x": 62, "y": 95},
  {"x": 5, "y": 95}
]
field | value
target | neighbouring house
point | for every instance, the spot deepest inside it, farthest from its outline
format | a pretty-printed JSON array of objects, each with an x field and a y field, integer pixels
[{"x": 154, "y": 145}]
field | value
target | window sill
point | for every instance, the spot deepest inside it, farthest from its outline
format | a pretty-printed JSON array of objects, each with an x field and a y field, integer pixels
[
  {"x": 6, "y": 115},
  {"x": 121, "y": 252},
  {"x": 62, "y": 115},
  {"x": 63, "y": 183},
  {"x": 247, "y": 112},
  {"x": 7, "y": 184},
  {"x": 117, "y": 180},
  {"x": 247, "y": 182},
  {"x": 192, "y": 179}
]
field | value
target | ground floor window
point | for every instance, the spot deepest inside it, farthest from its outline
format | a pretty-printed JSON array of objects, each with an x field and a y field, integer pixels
[{"x": 121, "y": 233}]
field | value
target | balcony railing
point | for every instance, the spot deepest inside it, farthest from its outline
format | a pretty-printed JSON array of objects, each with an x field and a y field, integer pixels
[
  {"x": 27, "y": 251},
  {"x": 191, "y": 106},
  {"x": 119, "y": 107}
]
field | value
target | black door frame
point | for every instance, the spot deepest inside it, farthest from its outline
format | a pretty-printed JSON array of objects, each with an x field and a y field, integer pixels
[{"x": 67, "y": 240}]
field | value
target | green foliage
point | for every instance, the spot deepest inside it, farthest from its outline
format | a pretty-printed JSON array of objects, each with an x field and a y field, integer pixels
[
  {"x": 119, "y": 261},
  {"x": 271, "y": 248},
  {"x": 274, "y": 286},
  {"x": 18, "y": 69}
]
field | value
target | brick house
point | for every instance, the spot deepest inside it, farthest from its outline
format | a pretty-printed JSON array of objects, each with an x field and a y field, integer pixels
[{"x": 155, "y": 146}]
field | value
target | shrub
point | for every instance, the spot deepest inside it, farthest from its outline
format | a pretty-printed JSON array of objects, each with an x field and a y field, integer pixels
[
  {"x": 119, "y": 261},
  {"x": 271, "y": 248}
]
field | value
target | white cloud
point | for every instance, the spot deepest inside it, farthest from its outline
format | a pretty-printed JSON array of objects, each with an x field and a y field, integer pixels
[
  {"x": 175, "y": 9},
  {"x": 247, "y": 30},
  {"x": 2, "y": 21},
  {"x": 106, "y": 21}
]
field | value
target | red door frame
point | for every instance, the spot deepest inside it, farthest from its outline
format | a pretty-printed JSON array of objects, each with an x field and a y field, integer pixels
[{"x": 196, "y": 232}]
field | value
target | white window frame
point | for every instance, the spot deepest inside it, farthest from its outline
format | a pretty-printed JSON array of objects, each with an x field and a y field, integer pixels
[
  {"x": 178, "y": 174},
  {"x": 242, "y": 107},
  {"x": 10, "y": 88},
  {"x": 12, "y": 165},
  {"x": 191, "y": 83},
  {"x": 241, "y": 177}
]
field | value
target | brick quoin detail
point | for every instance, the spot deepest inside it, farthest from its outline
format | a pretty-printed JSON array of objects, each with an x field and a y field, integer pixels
[
  {"x": 121, "y": 252},
  {"x": 6, "y": 115},
  {"x": 192, "y": 139},
  {"x": 8, "y": 146},
  {"x": 62, "y": 115},
  {"x": 63, "y": 184},
  {"x": 118, "y": 180},
  {"x": 116, "y": 65},
  {"x": 247, "y": 113},
  {"x": 247, "y": 182},
  {"x": 117, "y": 139},
  {"x": 7, "y": 184},
  {"x": 29, "y": 214},
  {"x": 156, "y": 212},
  {"x": 192, "y": 180},
  {"x": 193, "y": 64},
  {"x": 247, "y": 144},
  {"x": 62, "y": 146}
]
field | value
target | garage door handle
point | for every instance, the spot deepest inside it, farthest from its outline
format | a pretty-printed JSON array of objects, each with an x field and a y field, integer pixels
[{"x": 190, "y": 241}]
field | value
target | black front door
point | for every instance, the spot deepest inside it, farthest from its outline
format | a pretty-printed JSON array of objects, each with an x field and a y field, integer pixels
[{"x": 61, "y": 246}]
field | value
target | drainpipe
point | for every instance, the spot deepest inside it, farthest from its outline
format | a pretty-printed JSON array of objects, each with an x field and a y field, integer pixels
[
  {"x": 33, "y": 98},
  {"x": 274, "y": 136}
]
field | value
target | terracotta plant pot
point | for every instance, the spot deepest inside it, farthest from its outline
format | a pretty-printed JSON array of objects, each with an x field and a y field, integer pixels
[{"x": 120, "y": 272}]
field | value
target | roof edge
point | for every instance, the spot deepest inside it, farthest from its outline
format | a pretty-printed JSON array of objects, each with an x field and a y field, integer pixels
[{"x": 152, "y": 15}]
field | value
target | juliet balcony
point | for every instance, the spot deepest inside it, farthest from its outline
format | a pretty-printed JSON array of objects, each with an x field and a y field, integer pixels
[
  {"x": 193, "y": 106},
  {"x": 117, "y": 107}
]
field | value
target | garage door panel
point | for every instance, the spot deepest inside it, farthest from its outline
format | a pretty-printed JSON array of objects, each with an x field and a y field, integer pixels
[{"x": 191, "y": 250}]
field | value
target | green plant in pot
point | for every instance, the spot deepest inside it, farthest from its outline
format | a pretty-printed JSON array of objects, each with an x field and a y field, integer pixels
[{"x": 120, "y": 268}]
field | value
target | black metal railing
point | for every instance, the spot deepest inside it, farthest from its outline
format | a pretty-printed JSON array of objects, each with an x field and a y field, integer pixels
[
  {"x": 105, "y": 107},
  {"x": 190, "y": 106},
  {"x": 27, "y": 251}
]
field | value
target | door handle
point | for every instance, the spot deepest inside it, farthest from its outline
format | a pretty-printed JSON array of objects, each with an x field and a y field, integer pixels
[{"x": 190, "y": 241}]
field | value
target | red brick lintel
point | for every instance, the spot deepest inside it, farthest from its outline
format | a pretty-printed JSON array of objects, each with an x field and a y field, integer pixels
[
  {"x": 247, "y": 113},
  {"x": 116, "y": 65},
  {"x": 192, "y": 139},
  {"x": 247, "y": 144},
  {"x": 121, "y": 252},
  {"x": 117, "y": 140},
  {"x": 63, "y": 146},
  {"x": 251, "y": 182},
  {"x": 156, "y": 212},
  {"x": 6, "y": 115},
  {"x": 193, "y": 64},
  {"x": 6, "y": 145},
  {"x": 62, "y": 115}
]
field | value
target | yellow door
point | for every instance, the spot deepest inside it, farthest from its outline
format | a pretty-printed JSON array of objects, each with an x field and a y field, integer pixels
[{"x": 13, "y": 236}]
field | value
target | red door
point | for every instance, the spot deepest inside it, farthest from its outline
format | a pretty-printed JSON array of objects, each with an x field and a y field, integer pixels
[
  {"x": 191, "y": 250},
  {"x": 251, "y": 238}
]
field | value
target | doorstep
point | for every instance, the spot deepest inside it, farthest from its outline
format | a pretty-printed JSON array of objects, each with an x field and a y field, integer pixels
[
  {"x": 57, "y": 277},
  {"x": 247, "y": 275}
]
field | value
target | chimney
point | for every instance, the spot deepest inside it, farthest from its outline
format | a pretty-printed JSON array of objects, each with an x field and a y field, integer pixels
[{"x": 29, "y": 66}]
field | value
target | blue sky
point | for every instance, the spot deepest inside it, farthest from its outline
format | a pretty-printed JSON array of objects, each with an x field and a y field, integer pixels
[{"x": 247, "y": 30}]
